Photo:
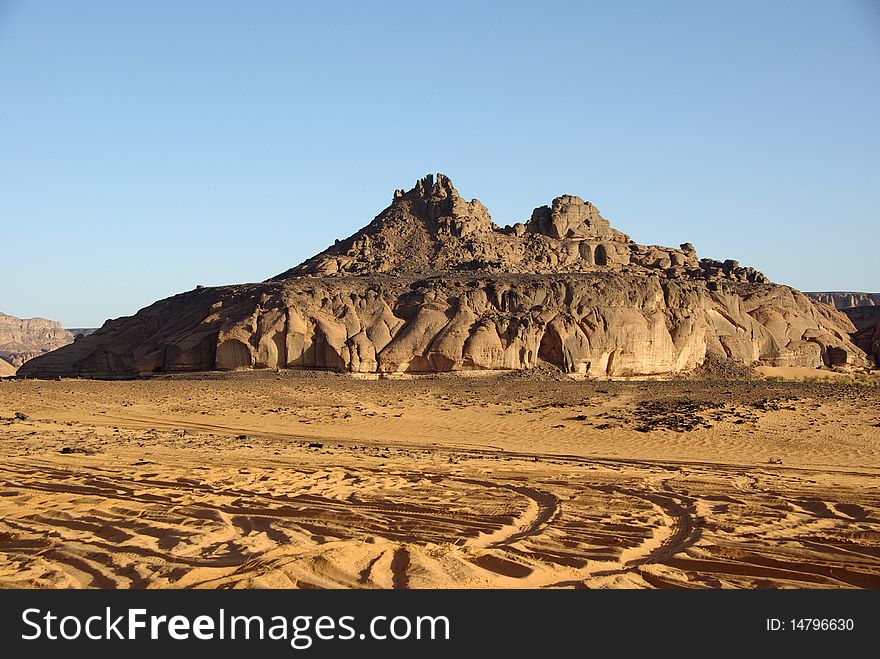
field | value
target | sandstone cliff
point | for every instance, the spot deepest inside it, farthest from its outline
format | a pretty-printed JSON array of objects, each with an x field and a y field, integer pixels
[
  {"x": 432, "y": 284},
  {"x": 23, "y": 339},
  {"x": 846, "y": 299}
]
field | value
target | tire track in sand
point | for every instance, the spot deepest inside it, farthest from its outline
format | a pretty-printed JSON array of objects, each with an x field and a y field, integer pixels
[
  {"x": 679, "y": 531},
  {"x": 542, "y": 508}
]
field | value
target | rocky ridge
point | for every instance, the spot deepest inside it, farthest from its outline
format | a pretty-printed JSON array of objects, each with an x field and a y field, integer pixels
[{"x": 432, "y": 284}]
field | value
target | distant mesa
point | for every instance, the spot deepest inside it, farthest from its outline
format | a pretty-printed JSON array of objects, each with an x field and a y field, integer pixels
[
  {"x": 433, "y": 284},
  {"x": 846, "y": 299},
  {"x": 22, "y": 339}
]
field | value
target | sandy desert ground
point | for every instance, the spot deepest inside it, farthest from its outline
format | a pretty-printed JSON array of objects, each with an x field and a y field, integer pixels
[{"x": 322, "y": 481}]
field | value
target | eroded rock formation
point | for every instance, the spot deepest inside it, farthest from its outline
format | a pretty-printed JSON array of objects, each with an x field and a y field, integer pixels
[
  {"x": 432, "y": 284},
  {"x": 23, "y": 339},
  {"x": 431, "y": 229}
]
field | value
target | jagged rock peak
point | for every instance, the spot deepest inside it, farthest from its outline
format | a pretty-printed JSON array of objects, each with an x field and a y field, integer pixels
[
  {"x": 430, "y": 188},
  {"x": 431, "y": 229},
  {"x": 436, "y": 202}
]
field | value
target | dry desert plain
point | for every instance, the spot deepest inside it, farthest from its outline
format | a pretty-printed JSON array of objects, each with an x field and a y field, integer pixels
[{"x": 318, "y": 480}]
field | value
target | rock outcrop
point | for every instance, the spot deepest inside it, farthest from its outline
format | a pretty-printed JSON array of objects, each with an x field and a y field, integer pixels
[
  {"x": 431, "y": 229},
  {"x": 24, "y": 339},
  {"x": 432, "y": 284}
]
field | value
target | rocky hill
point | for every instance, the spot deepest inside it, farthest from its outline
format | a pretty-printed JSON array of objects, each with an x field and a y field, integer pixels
[
  {"x": 432, "y": 284},
  {"x": 24, "y": 339},
  {"x": 431, "y": 229}
]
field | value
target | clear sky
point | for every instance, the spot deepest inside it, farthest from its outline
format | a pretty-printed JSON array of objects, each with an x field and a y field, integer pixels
[{"x": 147, "y": 147}]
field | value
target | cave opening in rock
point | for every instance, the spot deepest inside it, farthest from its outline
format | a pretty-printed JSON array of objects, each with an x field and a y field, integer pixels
[
  {"x": 837, "y": 356},
  {"x": 550, "y": 348},
  {"x": 601, "y": 255}
]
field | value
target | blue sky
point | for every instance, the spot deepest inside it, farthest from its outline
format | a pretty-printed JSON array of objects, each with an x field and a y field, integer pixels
[{"x": 149, "y": 147}]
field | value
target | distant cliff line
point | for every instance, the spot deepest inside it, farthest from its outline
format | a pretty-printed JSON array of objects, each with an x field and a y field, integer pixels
[{"x": 845, "y": 299}]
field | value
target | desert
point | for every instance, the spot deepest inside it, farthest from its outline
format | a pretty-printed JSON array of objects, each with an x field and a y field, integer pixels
[
  {"x": 303, "y": 479},
  {"x": 438, "y": 401},
  {"x": 435, "y": 329}
]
